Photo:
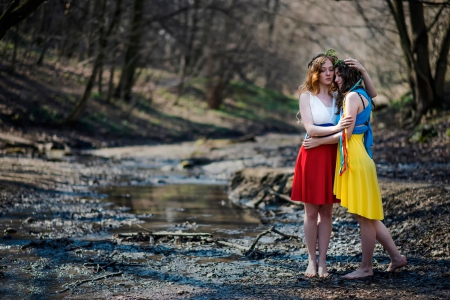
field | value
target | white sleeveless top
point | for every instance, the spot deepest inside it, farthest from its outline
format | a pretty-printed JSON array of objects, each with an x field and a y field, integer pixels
[{"x": 322, "y": 114}]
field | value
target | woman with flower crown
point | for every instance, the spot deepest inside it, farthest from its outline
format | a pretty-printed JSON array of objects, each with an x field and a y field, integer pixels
[
  {"x": 356, "y": 183},
  {"x": 314, "y": 169}
]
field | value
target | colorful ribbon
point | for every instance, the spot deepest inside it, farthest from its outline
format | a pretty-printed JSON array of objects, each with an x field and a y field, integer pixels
[{"x": 362, "y": 125}]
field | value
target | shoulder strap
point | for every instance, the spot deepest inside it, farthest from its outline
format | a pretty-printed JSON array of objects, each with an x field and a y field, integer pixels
[{"x": 362, "y": 100}]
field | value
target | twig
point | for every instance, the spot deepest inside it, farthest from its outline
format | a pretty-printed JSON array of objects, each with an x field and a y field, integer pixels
[
  {"x": 113, "y": 253},
  {"x": 86, "y": 61},
  {"x": 284, "y": 197},
  {"x": 228, "y": 244},
  {"x": 104, "y": 264},
  {"x": 284, "y": 234},
  {"x": 253, "y": 245},
  {"x": 143, "y": 228},
  {"x": 73, "y": 247},
  {"x": 77, "y": 283},
  {"x": 249, "y": 250}
]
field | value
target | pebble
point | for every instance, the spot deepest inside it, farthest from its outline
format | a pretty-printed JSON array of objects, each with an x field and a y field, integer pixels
[{"x": 29, "y": 220}]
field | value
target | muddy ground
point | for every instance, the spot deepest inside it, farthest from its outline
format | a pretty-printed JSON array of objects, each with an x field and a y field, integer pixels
[{"x": 68, "y": 253}]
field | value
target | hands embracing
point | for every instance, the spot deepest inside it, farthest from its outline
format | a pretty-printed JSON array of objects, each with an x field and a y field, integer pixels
[
  {"x": 344, "y": 122},
  {"x": 311, "y": 142}
]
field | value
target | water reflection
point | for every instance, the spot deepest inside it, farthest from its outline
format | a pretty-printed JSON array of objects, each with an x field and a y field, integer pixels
[{"x": 188, "y": 207}]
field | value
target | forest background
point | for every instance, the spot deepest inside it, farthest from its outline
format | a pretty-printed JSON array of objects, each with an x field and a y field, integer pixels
[
  {"x": 209, "y": 88},
  {"x": 111, "y": 72}
]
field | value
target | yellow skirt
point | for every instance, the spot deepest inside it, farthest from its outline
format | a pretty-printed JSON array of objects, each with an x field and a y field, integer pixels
[{"x": 358, "y": 187}]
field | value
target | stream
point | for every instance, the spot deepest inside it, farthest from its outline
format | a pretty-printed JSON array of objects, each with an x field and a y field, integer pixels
[{"x": 185, "y": 207}]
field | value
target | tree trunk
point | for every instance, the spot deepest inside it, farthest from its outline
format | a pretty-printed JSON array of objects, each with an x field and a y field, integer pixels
[
  {"x": 14, "y": 55},
  {"x": 102, "y": 24},
  {"x": 188, "y": 51},
  {"x": 132, "y": 55},
  {"x": 427, "y": 91},
  {"x": 42, "y": 55},
  {"x": 17, "y": 12},
  {"x": 271, "y": 81},
  {"x": 441, "y": 67},
  {"x": 218, "y": 74},
  {"x": 103, "y": 41},
  {"x": 112, "y": 69},
  {"x": 215, "y": 94},
  {"x": 423, "y": 89}
]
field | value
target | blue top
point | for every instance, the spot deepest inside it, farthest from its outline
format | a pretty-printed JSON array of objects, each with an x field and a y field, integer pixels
[{"x": 362, "y": 124}]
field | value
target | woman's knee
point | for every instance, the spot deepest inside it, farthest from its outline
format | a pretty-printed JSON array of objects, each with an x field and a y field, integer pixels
[
  {"x": 363, "y": 221},
  {"x": 326, "y": 212},
  {"x": 311, "y": 212}
]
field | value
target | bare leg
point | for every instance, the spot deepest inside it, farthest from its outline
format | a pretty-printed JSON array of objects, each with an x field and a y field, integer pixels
[
  {"x": 385, "y": 239},
  {"x": 324, "y": 234},
  {"x": 310, "y": 229},
  {"x": 368, "y": 238}
]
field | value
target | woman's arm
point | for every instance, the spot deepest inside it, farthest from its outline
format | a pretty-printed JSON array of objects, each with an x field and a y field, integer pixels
[
  {"x": 313, "y": 142},
  {"x": 308, "y": 123},
  {"x": 370, "y": 88},
  {"x": 353, "y": 106}
]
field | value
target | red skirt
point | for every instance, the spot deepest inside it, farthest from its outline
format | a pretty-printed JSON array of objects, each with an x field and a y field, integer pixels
[{"x": 314, "y": 175}]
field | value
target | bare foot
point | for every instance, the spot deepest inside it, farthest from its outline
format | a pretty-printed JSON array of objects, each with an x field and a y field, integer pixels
[
  {"x": 397, "y": 264},
  {"x": 322, "y": 271},
  {"x": 311, "y": 269},
  {"x": 360, "y": 273}
]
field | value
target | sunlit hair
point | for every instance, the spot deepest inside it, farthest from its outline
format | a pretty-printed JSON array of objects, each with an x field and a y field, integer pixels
[
  {"x": 311, "y": 83},
  {"x": 349, "y": 76}
]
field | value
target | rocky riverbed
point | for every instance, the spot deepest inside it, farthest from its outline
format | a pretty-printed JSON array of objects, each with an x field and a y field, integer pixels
[{"x": 56, "y": 243}]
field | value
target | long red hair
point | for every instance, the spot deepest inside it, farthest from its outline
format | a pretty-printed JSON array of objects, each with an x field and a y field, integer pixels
[{"x": 311, "y": 83}]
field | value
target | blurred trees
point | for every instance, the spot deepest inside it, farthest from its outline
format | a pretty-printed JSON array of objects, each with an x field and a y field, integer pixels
[
  {"x": 105, "y": 31},
  {"x": 427, "y": 88},
  {"x": 267, "y": 42},
  {"x": 16, "y": 12}
]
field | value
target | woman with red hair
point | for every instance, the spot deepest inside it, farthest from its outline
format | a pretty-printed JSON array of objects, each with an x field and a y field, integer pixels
[{"x": 314, "y": 169}]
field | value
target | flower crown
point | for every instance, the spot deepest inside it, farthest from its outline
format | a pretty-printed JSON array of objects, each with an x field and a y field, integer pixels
[
  {"x": 341, "y": 63},
  {"x": 329, "y": 52}
]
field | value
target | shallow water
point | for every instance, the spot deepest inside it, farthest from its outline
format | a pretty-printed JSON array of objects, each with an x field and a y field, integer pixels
[{"x": 186, "y": 207}]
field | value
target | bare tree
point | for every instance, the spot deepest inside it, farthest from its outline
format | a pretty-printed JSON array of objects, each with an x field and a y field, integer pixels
[
  {"x": 132, "y": 53},
  {"x": 17, "y": 12},
  {"x": 427, "y": 88},
  {"x": 103, "y": 41}
]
